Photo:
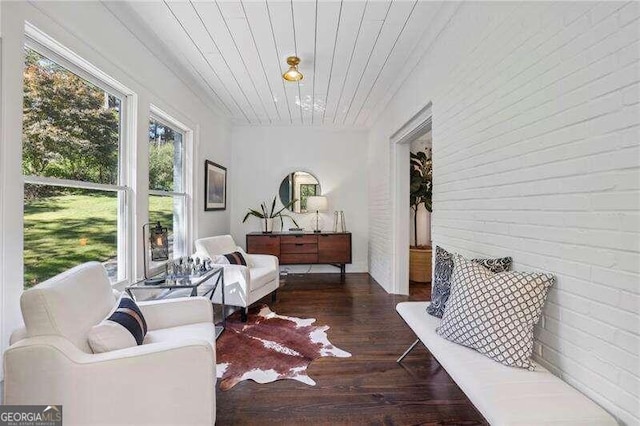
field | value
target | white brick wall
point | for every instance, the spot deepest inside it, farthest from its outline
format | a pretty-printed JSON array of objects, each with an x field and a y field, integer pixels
[{"x": 536, "y": 144}]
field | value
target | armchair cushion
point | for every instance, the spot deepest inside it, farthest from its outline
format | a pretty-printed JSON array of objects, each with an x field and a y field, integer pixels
[
  {"x": 261, "y": 276},
  {"x": 171, "y": 313},
  {"x": 124, "y": 328},
  {"x": 204, "y": 331}
]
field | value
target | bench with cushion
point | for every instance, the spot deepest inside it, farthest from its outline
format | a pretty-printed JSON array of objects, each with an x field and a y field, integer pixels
[{"x": 504, "y": 395}]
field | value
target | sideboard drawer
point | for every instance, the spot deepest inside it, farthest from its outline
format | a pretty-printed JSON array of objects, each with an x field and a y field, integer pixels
[
  {"x": 298, "y": 248},
  {"x": 297, "y": 239},
  {"x": 263, "y": 244},
  {"x": 294, "y": 258}
]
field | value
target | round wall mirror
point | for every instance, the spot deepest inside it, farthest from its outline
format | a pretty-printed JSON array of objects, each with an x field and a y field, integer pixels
[{"x": 298, "y": 186}]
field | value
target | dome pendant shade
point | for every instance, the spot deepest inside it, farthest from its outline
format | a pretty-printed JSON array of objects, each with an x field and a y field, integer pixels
[{"x": 292, "y": 73}]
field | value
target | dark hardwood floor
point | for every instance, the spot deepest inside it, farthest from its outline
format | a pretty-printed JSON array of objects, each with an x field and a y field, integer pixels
[{"x": 368, "y": 388}]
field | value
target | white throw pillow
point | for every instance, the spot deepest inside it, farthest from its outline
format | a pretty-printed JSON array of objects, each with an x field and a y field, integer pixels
[
  {"x": 110, "y": 336},
  {"x": 494, "y": 313}
]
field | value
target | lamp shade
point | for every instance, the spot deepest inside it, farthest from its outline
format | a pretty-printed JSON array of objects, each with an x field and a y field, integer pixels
[{"x": 317, "y": 203}]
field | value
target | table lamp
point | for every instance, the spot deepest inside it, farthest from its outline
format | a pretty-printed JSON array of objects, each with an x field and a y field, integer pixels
[
  {"x": 157, "y": 239},
  {"x": 318, "y": 204}
]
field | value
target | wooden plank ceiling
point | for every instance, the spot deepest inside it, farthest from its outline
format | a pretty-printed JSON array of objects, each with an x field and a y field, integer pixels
[{"x": 354, "y": 54}]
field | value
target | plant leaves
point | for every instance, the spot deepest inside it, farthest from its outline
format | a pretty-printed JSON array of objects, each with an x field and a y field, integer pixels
[
  {"x": 273, "y": 207},
  {"x": 289, "y": 204}
]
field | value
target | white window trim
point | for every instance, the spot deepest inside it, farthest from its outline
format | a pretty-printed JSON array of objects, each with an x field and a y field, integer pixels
[
  {"x": 52, "y": 49},
  {"x": 165, "y": 118}
]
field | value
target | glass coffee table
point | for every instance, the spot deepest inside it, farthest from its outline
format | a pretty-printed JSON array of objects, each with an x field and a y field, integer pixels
[{"x": 179, "y": 286}]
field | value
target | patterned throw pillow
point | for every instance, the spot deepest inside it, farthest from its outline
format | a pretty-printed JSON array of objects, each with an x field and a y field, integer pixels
[
  {"x": 442, "y": 277},
  {"x": 494, "y": 313},
  {"x": 235, "y": 258},
  {"x": 124, "y": 328}
]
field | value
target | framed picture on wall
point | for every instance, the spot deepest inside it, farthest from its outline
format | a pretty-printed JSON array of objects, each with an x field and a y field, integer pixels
[{"x": 215, "y": 186}]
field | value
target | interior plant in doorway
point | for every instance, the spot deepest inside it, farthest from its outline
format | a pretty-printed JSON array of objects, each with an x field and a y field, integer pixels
[
  {"x": 420, "y": 186},
  {"x": 420, "y": 193},
  {"x": 267, "y": 215}
]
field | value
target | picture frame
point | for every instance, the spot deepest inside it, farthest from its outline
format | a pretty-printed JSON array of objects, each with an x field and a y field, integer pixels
[{"x": 215, "y": 186}]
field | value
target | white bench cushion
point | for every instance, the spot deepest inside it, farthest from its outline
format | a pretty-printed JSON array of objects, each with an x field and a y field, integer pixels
[{"x": 504, "y": 395}]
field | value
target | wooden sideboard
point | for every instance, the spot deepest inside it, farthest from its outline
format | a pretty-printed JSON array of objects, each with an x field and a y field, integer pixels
[{"x": 308, "y": 248}]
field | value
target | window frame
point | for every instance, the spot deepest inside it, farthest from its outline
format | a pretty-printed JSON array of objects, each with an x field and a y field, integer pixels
[
  {"x": 51, "y": 49},
  {"x": 160, "y": 116}
]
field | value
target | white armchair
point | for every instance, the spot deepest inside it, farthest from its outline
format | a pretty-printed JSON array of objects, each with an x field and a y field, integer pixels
[
  {"x": 169, "y": 379},
  {"x": 243, "y": 285}
]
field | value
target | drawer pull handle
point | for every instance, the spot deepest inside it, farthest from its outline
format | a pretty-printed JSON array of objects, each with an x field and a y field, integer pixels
[
  {"x": 298, "y": 236},
  {"x": 273, "y": 236},
  {"x": 299, "y": 244}
]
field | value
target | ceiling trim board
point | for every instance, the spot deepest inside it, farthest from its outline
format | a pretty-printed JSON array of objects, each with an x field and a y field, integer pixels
[
  {"x": 237, "y": 50},
  {"x": 355, "y": 119},
  {"x": 221, "y": 55},
  {"x": 344, "y": 81},
  {"x": 364, "y": 69},
  {"x": 394, "y": 91},
  {"x": 273, "y": 34},
  {"x": 173, "y": 65},
  {"x": 205, "y": 59},
  {"x": 333, "y": 55}
]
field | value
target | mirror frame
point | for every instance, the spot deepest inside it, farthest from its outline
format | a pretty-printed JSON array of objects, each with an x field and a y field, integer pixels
[{"x": 288, "y": 177}]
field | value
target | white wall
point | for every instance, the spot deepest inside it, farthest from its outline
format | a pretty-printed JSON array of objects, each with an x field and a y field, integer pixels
[
  {"x": 262, "y": 157},
  {"x": 93, "y": 32},
  {"x": 536, "y": 155}
]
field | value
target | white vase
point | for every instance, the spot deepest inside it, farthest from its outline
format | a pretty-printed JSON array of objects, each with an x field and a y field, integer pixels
[{"x": 267, "y": 225}]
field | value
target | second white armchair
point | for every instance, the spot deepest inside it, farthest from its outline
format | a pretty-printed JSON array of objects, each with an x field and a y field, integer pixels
[{"x": 244, "y": 285}]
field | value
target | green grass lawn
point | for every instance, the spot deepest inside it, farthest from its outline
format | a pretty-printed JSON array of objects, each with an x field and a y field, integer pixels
[{"x": 65, "y": 230}]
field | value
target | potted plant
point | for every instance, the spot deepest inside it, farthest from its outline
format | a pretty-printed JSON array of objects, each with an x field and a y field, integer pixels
[
  {"x": 268, "y": 215},
  {"x": 420, "y": 193}
]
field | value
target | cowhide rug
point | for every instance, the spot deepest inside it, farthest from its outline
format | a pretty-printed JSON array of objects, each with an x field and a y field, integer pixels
[{"x": 270, "y": 347}]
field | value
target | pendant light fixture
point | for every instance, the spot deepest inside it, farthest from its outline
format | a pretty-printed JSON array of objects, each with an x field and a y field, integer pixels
[{"x": 293, "y": 74}]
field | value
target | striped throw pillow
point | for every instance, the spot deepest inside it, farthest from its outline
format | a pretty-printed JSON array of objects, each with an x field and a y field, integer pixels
[
  {"x": 235, "y": 258},
  {"x": 124, "y": 328}
]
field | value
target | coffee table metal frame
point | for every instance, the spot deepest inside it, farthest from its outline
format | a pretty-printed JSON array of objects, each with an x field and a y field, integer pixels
[{"x": 191, "y": 282}]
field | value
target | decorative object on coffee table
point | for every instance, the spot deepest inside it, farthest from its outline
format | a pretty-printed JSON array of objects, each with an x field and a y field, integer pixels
[
  {"x": 215, "y": 186},
  {"x": 158, "y": 248},
  {"x": 270, "y": 347},
  {"x": 268, "y": 214}
]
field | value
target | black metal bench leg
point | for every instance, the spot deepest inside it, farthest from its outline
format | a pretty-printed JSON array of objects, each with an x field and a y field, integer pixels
[
  {"x": 244, "y": 314},
  {"x": 274, "y": 296}
]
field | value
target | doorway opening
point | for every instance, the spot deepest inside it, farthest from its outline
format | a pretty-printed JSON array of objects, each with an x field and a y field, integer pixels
[{"x": 414, "y": 136}]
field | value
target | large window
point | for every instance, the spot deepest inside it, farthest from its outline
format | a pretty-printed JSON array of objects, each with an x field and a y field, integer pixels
[
  {"x": 75, "y": 194},
  {"x": 167, "y": 193}
]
